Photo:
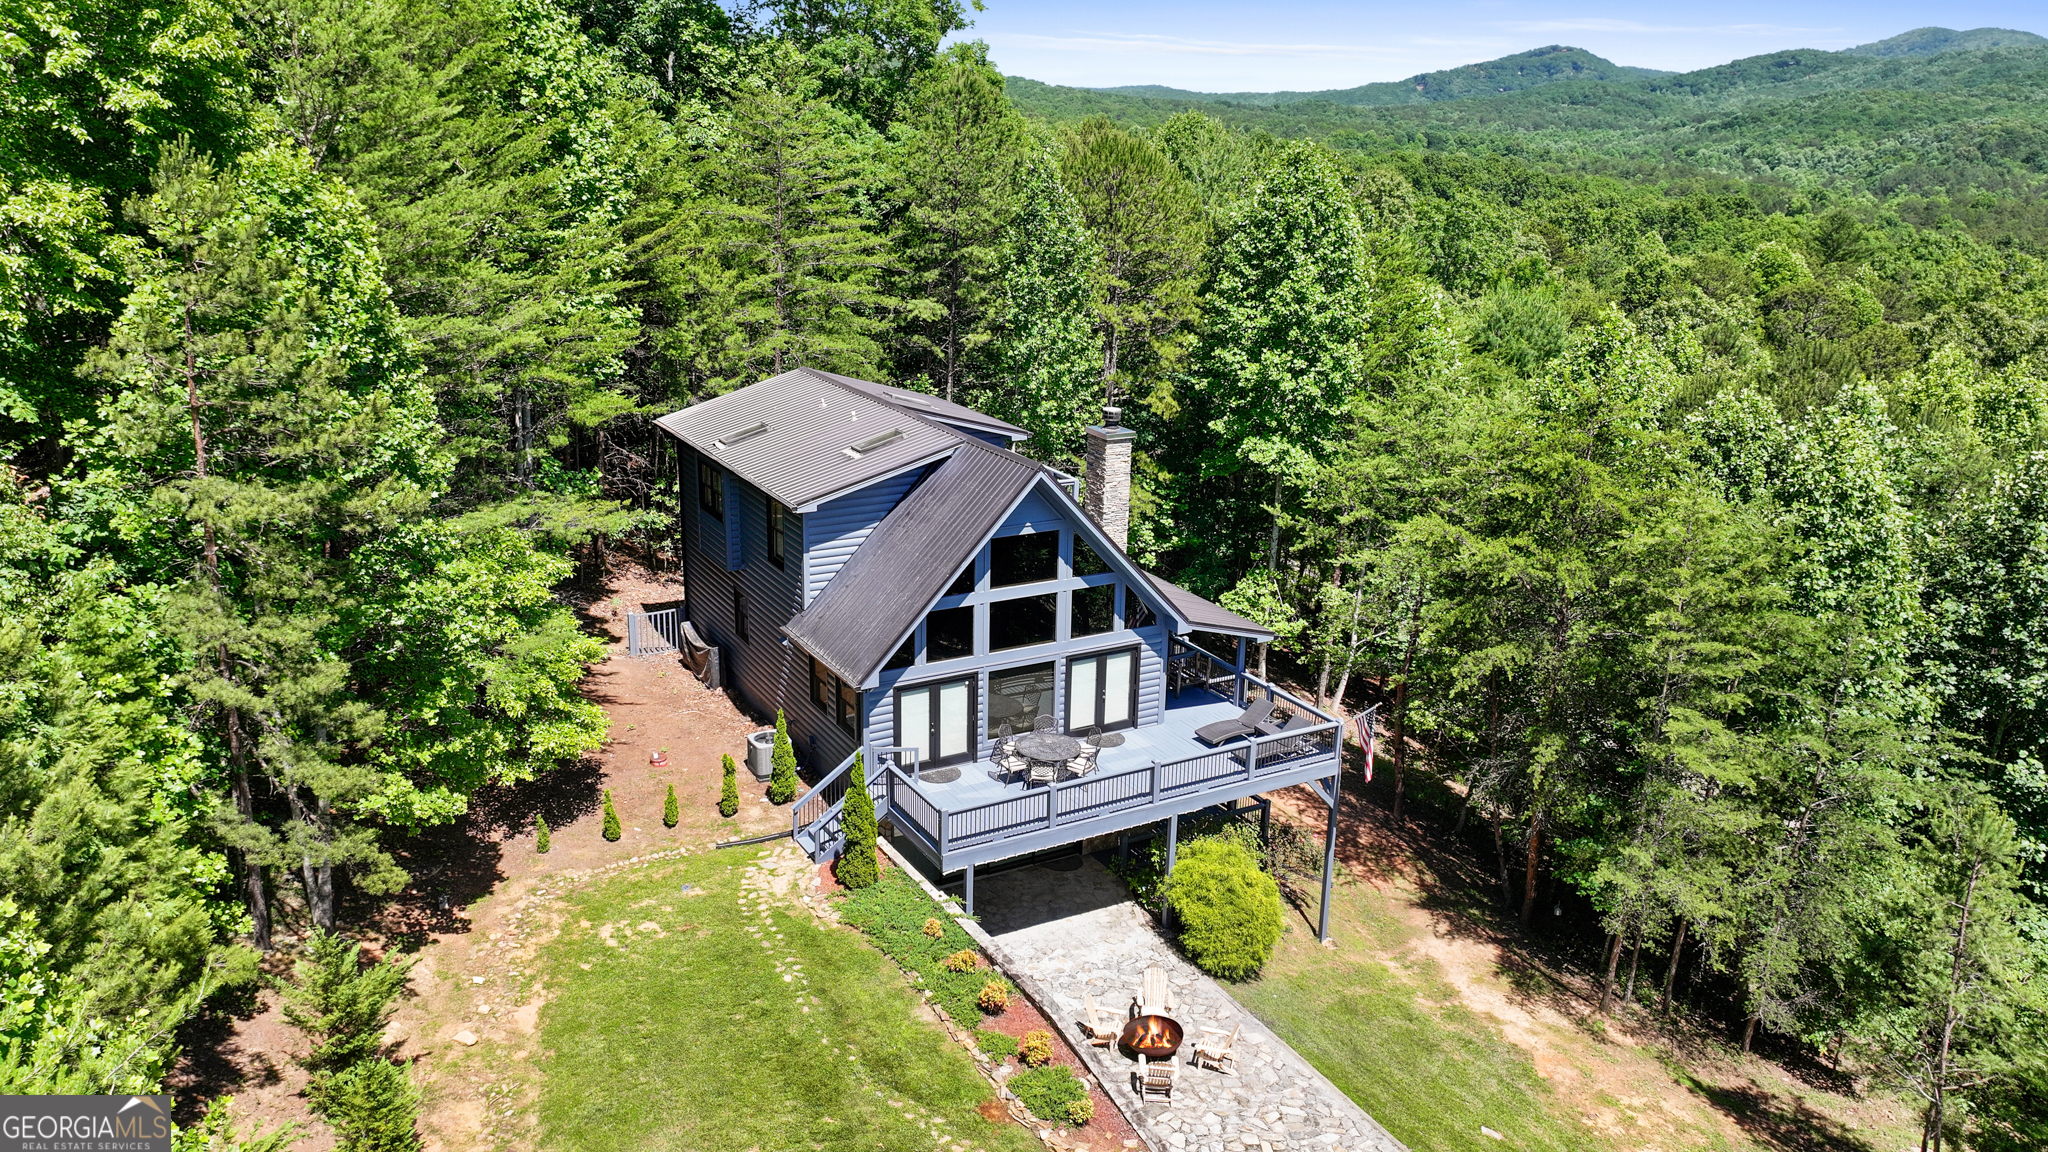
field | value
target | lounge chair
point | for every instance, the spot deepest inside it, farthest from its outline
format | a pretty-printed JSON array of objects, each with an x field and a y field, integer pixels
[
  {"x": 1290, "y": 747},
  {"x": 1156, "y": 1078},
  {"x": 1219, "y": 1052},
  {"x": 1238, "y": 726},
  {"x": 1101, "y": 1030}
]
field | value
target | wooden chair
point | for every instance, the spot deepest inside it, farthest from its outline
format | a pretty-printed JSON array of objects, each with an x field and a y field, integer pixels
[
  {"x": 1155, "y": 995},
  {"x": 1100, "y": 1028},
  {"x": 1219, "y": 1054},
  {"x": 1156, "y": 1078}
]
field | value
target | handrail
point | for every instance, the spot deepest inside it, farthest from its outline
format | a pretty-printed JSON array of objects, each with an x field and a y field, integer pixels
[{"x": 797, "y": 823}]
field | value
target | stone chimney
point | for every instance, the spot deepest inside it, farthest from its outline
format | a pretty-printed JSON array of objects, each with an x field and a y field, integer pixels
[{"x": 1108, "y": 476}]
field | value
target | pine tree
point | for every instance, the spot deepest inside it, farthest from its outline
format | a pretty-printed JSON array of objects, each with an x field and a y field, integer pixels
[
  {"x": 342, "y": 1003},
  {"x": 729, "y": 791},
  {"x": 611, "y": 818},
  {"x": 541, "y": 843},
  {"x": 669, "y": 812},
  {"x": 857, "y": 866},
  {"x": 782, "y": 784}
]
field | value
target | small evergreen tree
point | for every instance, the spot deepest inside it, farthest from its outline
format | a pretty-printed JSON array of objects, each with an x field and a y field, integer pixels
[
  {"x": 669, "y": 812},
  {"x": 372, "y": 1105},
  {"x": 540, "y": 834},
  {"x": 340, "y": 1003},
  {"x": 782, "y": 785},
  {"x": 611, "y": 817},
  {"x": 729, "y": 794},
  {"x": 857, "y": 867}
]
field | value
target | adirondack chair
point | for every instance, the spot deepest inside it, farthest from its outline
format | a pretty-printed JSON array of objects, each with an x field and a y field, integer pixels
[
  {"x": 1156, "y": 1078},
  {"x": 1100, "y": 1028},
  {"x": 1155, "y": 995},
  {"x": 1219, "y": 1051}
]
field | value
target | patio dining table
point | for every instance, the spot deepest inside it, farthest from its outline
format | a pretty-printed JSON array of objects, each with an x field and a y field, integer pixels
[{"x": 1048, "y": 747}]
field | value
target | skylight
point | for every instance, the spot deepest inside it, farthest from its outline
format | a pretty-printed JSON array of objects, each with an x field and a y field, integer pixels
[{"x": 873, "y": 442}]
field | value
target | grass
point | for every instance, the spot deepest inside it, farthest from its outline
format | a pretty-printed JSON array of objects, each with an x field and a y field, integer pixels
[
  {"x": 735, "y": 1025},
  {"x": 893, "y": 912}
]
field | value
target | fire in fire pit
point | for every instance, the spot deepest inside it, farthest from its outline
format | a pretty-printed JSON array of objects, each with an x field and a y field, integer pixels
[{"x": 1156, "y": 1036}]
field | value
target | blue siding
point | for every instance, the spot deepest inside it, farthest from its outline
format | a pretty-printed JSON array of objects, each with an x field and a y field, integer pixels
[
  {"x": 831, "y": 533},
  {"x": 1034, "y": 513}
]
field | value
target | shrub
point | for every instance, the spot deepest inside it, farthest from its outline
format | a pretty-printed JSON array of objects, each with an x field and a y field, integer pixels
[
  {"x": 993, "y": 997},
  {"x": 1035, "y": 1048},
  {"x": 540, "y": 834},
  {"x": 782, "y": 784},
  {"x": 1049, "y": 1092},
  {"x": 965, "y": 960},
  {"x": 729, "y": 793},
  {"x": 341, "y": 1003},
  {"x": 893, "y": 915},
  {"x": 1229, "y": 910},
  {"x": 933, "y": 928},
  {"x": 372, "y": 1106},
  {"x": 215, "y": 1132},
  {"x": 999, "y": 1045},
  {"x": 857, "y": 866},
  {"x": 669, "y": 812},
  {"x": 611, "y": 817},
  {"x": 1081, "y": 1111}
]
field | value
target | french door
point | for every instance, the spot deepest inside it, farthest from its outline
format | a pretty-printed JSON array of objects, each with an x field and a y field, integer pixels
[
  {"x": 938, "y": 720},
  {"x": 1102, "y": 691}
]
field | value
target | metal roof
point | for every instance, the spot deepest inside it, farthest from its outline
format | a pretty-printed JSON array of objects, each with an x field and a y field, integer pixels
[
  {"x": 806, "y": 436},
  {"x": 942, "y": 410},
  {"x": 1203, "y": 616},
  {"x": 897, "y": 573}
]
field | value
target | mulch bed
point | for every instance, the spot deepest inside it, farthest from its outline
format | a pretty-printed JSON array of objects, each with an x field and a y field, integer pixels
[{"x": 1109, "y": 1130}]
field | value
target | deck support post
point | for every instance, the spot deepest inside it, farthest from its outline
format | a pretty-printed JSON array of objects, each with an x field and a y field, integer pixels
[
  {"x": 1330, "y": 855},
  {"x": 969, "y": 902},
  {"x": 1265, "y": 821},
  {"x": 1123, "y": 846},
  {"x": 1237, "y": 692},
  {"x": 1172, "y": 845}
]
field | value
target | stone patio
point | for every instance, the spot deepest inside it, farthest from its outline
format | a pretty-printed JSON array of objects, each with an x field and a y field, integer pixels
[{"x": 1068, "y": 932}]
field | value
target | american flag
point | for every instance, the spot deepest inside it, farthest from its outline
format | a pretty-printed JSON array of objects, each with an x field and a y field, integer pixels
[{"x": 1367, "y": 737}]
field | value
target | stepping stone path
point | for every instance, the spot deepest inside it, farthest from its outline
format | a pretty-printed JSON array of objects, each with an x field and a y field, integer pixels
[{"x": 1077, "y": 933}]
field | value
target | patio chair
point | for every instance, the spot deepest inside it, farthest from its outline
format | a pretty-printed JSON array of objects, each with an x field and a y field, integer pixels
[
  {"x": 1085, "y": 763},
  {"x": 1009, "y": 765},
  {"x": 1156, "y": 1078},
  {"x": 1041, "y": 771},
  {"x": 1238, "y": 726},
  {"x": 1090, "y": 734},
  {"x": 1098, "y": 1027},
  {"x": 1155, "y": 995},
  {"x": 1219, "y": 1052},
  {"x": 1045, "y": 724}
]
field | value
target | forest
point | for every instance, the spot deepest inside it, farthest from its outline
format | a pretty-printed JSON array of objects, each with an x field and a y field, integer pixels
[{"x": 1666, "y": 457}]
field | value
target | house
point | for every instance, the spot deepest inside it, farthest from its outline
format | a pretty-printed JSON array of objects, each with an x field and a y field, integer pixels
[{"x": 884, "y": 568}]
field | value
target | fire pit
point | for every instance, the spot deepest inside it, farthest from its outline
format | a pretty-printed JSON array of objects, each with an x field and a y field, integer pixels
[{"x": 1156, "y": 1036}]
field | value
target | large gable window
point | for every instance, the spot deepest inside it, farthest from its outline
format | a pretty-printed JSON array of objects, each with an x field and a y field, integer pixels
[
  {"x": 1102, "y": 691},
  {"x": 1025, "y": 559},
  {"x": 1137, "y": 613},
  {"x": 1094, "y": 610},
  {"x": 949, "y": 634},
  {"x": 1017, "y": 697},
  {"x": 1023, "y": 621},
  {"x": 938, "y": 721},
  {"x": 1086, "y": 562}
]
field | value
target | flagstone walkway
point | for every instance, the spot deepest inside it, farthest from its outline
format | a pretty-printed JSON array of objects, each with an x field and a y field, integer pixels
[{"x": 1076, "y": 932}]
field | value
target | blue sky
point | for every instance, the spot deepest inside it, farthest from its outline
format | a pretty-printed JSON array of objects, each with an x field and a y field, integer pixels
[{"x": 1267, "y": 45}]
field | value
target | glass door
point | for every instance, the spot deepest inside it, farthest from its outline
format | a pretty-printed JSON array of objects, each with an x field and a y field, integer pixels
[
  {"x": 938, "y": 721},
  {"x": 1102, "y": 691}
]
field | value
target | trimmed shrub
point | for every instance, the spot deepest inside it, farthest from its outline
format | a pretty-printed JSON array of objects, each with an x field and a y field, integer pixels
[
  {"x": 1081, "y": 1111},
  {"x": 1035, "y": 1048},
  {"x": 1229, "y": 910},
  {"x": 729, "y": 792},
  {"x": 669, "y": 812},
  {"x": 372, "y": 1106},
  {"x": 994, "y": 1044},
  {"x": 341, "y": 1003},
  {"x": 857, "y": 866},
  {"x": 611, "y": 818},
  {"x": 933, "y": 928},
  {"x": 994, "y": 996},
  {"x": 540, "y": 834},
  {"x": 965, "y": 960},
  {"x": 1049, "y": 1092},
  {"x": 782, "y": 784}
]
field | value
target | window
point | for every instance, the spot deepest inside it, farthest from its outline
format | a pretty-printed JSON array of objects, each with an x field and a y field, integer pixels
[
  {"x": 906, "y": 655},
  {"x": 739, "y": 614},
  {"x": 1137, "y": 613},
  {"x": 1094, "y": 610},
  {"x": 1102, "y": 691},
  {"x": 1017, "y": 697},
  {"x": 710, "y": 488},
  {"x": 1023, "y": 559},
  {"x": 849, "y": 709},
  {"x": 938, "y": 721},
  {"x": 1086, "y": 562},
  {"x": 1024, "y": 620},
  {"x": 776, "y": 516},
  {"x": 949, "y": 634},
  {"x": 821, "y": 685},
  {"x": 963, "y": 583}
]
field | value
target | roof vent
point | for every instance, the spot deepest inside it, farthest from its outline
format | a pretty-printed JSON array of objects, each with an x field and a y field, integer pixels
[
  {"x": 747, "y": 433},
  {"x": 856, "y": 451},
  {"x": 909, "y": 397}
]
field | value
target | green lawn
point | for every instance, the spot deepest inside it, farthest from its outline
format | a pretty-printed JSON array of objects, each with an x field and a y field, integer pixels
[{"x": 686, "y": 1036}]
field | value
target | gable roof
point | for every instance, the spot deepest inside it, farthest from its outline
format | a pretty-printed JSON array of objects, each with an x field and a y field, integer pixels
[
  {"x": 806, "y": 436},
  {"x": 1204, "y": 616},
  {"x": 932, "y": 407},
  {"x": 896, "y": 574}
]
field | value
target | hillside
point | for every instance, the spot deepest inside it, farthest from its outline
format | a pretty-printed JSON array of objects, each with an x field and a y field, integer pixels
[
  {"x": 1929, "y": 41},
  {"x": 1514, "y": 73}
]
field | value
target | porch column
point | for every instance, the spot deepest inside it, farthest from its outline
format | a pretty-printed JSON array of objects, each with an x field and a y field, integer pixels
[
  {"x": 1239, "y": 700},
  {"x": 1123, "y": 845},
  {"x": 1172, "y": 844},
  {"x": 1265, "y": 822},
  {"x": 970, "y": 890},
  {"x": 1330, "y": 854}
]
